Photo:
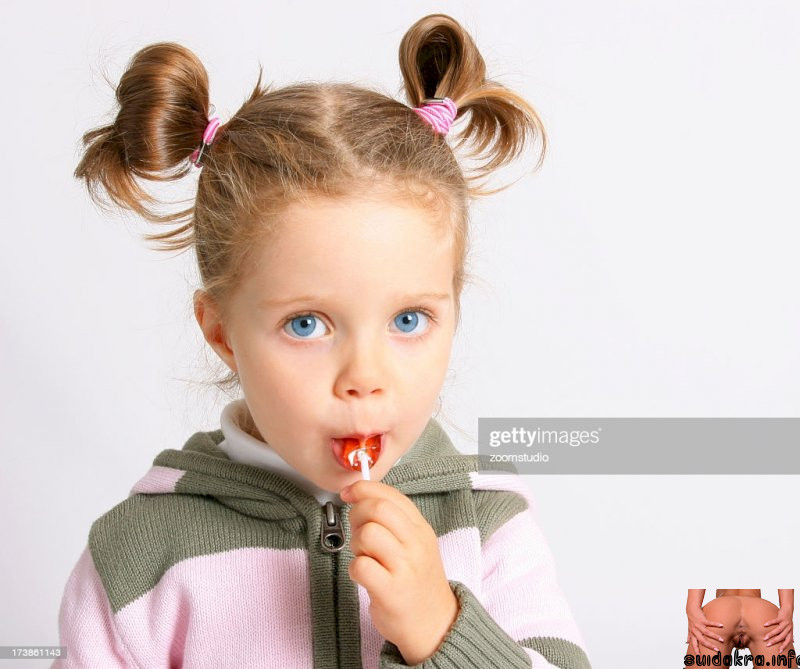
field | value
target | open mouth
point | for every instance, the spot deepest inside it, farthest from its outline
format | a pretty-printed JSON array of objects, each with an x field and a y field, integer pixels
[{"x": 344, "y": 449}]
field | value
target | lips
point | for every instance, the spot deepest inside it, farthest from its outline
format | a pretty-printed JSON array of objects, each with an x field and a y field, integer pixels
[{"x": 345, "y": 445}]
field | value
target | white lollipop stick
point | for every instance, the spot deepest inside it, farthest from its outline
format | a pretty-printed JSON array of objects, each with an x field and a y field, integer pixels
[{"x": 364, "y": 459}]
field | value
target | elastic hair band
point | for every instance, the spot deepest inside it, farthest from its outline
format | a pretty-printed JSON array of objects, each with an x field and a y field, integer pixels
[
  {"x": 208, "y": 138},
  {"x": 438, "y": 112}
]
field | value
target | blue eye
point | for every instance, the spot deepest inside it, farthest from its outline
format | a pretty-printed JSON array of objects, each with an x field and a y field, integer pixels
[
  {"x": 409, "y": 320},
  {"x": 304, "y": 325},
  {"x": 309, "y": 326}
]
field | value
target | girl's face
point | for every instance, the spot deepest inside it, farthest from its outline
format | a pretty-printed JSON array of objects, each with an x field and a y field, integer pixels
[{"x": 345, "y": 326}]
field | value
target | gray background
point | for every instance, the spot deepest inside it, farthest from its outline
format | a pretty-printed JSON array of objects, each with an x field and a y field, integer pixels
[{"x": 649, "y": 269}]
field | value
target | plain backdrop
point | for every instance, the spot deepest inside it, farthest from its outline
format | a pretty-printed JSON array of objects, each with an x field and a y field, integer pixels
[{"x": 650, "y": 268}]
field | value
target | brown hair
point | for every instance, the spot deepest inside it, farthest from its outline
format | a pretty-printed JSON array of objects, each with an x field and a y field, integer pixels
[{"x": 303, "y": 140}]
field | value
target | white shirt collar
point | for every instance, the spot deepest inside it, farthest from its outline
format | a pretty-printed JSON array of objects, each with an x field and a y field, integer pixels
[{"x": 243, "y": 447}]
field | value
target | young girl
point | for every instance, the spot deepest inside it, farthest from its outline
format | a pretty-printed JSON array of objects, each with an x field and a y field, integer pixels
[{"x": 330, "y": 227}]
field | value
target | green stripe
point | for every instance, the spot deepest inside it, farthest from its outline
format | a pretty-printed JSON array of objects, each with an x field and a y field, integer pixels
[
  {"x": 558, "y": 652},
  {"x": 494, "y": 508},
  {"x": 138, "y": 540}
]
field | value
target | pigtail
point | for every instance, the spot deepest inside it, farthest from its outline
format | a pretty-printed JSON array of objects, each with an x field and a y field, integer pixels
[
  {"x": 438, "y": 58},
  {"x": 163, "y": 101}
]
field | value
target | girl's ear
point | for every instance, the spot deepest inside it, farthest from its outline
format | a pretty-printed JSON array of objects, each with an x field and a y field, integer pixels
[{"x": 207, "y": 315}]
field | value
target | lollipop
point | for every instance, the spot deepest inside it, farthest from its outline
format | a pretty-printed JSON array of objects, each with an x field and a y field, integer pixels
[{"x": 356, "y": 453}]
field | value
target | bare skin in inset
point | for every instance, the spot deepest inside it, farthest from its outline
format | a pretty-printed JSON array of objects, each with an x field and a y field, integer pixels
[{"x": 736, "y": 619}]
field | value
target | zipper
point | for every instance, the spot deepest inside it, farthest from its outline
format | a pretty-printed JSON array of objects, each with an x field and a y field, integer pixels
[
  {"x": 331, "y": 533},
  {"x": 332, "y": 540}
]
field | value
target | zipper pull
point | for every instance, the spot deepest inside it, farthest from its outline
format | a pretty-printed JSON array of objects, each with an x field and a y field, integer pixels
[{"x": 331, "y": 533}]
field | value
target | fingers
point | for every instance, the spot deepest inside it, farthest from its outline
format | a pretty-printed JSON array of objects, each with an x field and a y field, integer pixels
[
  {"x": 363, "y": 489},
  {"x": 384, "y": 512},
  {"x": 377, "y": 542},
  {"x": 369, "y": 573}
]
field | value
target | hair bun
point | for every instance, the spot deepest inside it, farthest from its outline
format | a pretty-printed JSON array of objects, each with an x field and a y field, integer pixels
[{"x": 163, "y": 105}]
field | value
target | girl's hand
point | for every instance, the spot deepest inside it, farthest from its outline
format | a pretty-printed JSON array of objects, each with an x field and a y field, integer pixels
[
  {"x": 783, "y": 633},
  {"x": 397, "y": 561},
  {"x": 698, "y": 624}
]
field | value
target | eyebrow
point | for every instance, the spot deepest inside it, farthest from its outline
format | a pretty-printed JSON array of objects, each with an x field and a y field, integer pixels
[{"x": 315, "y": 298}]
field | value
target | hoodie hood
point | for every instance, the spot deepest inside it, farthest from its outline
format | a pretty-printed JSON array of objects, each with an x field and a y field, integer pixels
[{"x": 201, "y": 467}]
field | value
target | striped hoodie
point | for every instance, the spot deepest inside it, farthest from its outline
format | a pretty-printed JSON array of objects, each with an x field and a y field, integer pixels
[{"x": 213, "y": 561}]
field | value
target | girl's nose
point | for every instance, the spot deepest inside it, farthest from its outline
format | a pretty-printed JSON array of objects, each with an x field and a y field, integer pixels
[{"x": 362, "y": 372}]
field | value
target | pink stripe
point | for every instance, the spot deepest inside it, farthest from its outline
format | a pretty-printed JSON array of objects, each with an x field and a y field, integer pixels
[
  {"x": 458, "y": 549},
  {"x": 510, "y": 482},
  {"x": 520, "y": 575},
  {"x": 86, "y": 624},
  {"x": 243, "y": 607},
  {"x": 158, "y": 480},
  {"x": 537, "y": 661},
  {"x": 521, "y": 584}
]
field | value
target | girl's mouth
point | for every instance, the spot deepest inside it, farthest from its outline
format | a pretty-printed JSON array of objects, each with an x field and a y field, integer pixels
[{"x": 344, "y": 449}]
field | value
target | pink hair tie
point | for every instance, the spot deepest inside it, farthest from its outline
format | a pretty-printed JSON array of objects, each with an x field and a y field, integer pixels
[
  {"x": 208, "y": 137},
  {"x": 438, "y": 112}
]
